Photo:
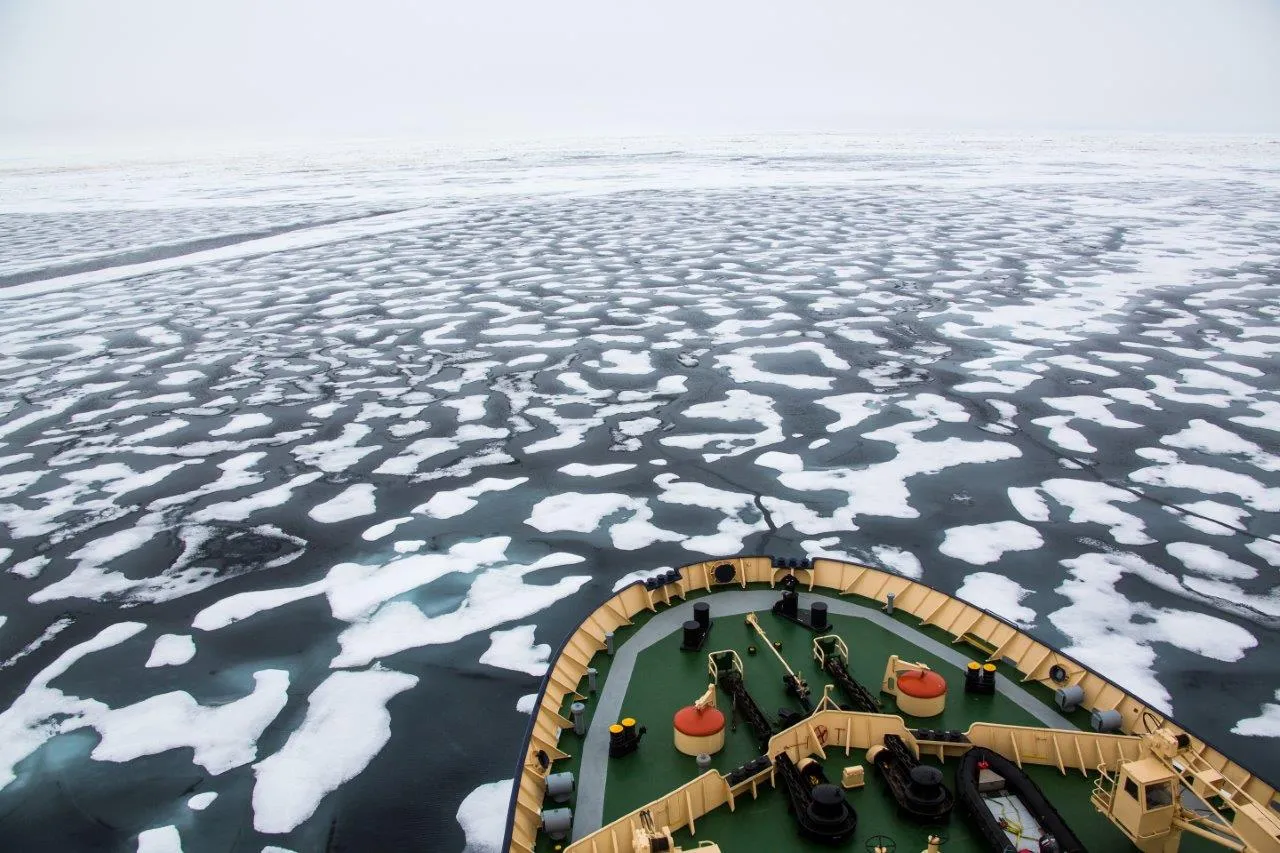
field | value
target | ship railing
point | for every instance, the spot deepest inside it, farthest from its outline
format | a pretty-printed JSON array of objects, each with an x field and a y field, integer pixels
[
  {"x": 821, "y": 650},
  {"x": 728, "y": 655}
]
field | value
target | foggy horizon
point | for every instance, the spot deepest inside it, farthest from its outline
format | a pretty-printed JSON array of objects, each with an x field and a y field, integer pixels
[{"x": 147, "y": 74}]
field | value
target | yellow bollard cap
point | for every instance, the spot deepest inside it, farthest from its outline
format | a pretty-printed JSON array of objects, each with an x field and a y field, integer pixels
[
  {"x": 973, "y": 664},
  {"x": 628, "y": 721},
  {"x": 615, "y": 729},
  {"x": 989, "y": 667}
]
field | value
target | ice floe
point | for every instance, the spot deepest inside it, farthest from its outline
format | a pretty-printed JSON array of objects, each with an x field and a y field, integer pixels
[
  {"x": 998, "y": 594},
  {"x": 346, "y": 725},
  {"x": 578, "y": 469},
  {"x": 242, "y": 423},
  {"x": 200, "y": 802},
  {"x": 42, "y": 711},
  {"x": 897, "y": 560},
  {"x": 171, "y": 650},
  {"x": 1266, "y": 724},
  {"x": 981, "y": 544},
  {"x": 497, "y": 595},
  {"x": 222, "y": 737},
  {"x": 353, "y": 502},
  {"x": 482, "y": 816},
  {"x": 514, "y": 649},
  {"x": 1111, "y": 633},
  {"x": 449, "y": 504},
  {"x": 162, "y": 839}
]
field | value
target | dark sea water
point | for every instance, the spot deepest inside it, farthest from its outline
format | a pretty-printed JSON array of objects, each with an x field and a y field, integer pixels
[{"x": 308, "y": 459}]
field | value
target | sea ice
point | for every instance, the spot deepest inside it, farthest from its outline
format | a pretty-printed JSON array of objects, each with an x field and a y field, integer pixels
[
  {"x": 222, "y": 736},
  {"x": 497, "y": 595},
  {"x": 172, "y": 650},
  {"x": 578, "y": 469},
  {"x": 981, "y": 544},
  {"x": 514, "y": 649},
  {"x": 482, "y": 816},
  {"x": 202, "y": 801},
  {"x": 450, "y": 504},
  {"x": 41, "y": 711},
  {"x": 998, "y": 594},
  {"x": 346, "y": 725},
  {"x": 242, "y": 423},
  {"x": 162, "y": 839},
  {"x": 897, "y": 560},
  {"x": 353, "y": 502},
  {"x": 1266, "y": 724}
]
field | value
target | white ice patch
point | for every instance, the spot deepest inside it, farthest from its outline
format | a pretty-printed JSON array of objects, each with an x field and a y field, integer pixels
[
  {"x": 638, "y": 575},
  {"x": 1091, "y": 501},
  {"x": 470, "y": 408},
  {"x": 1113, "y": 634},
  {"x": 1210, "y": 481},
  {"x": 1209, "y": 438},
  {"x": 181, "y": 377},
  {"x": 1029, "y": 503},
  {"x": 998, "y": 594},
  {"x": 239, "y": 510},
  {"x": 346, "y": 725},
  {"x": 853, "y": 409},
  {"x": 880, "y": 489},
  {"x": 242, "y": 423},
  {"x": 43, "y": 711},
  {"x": 514, "y": 649},
  {"x": 200, "y": 802},
  {"x": 741, "y": 516},
  {"x": 482, "y": 816},
  {"x": 496, "y": 596},
  {"x": 337, "y": 454},
  {"x": 1266, "y": 549},
  {"x": 384, "y": 528},
  {"x": 172, "y": 650},
  {"x": 583, "y": 513},
  {"x": 1210, "y": 562},
  {"x": 162, "y": 839},
  {"x": 450, "y": 504},
  {"x": 741, "y": 365},
  {"x": 981, "y": 544},
  {"x": 933, "y": 406},
  {"x": 353, "y": 502},
  {"x": 629, "y": 363},
  {"x": 897, "y": 560},
  {"x": 222, "y": 736},
  {"x": 1216, "y": 519},
  {"x": 526, "y": 703},
  {"x": 55, "y": 628},
  {"x": 738, "y": 406},
  {"x": 1266, "y": 724},
  {"x": 30, "y": 568},
  {"x": 578, "y": 469}
]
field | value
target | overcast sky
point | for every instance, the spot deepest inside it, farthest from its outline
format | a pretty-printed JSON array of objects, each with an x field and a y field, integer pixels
[{"x": 98, "y": 70}]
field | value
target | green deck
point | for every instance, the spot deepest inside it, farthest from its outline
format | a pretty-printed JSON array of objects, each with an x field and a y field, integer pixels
[{"x": 667, "y": 679}]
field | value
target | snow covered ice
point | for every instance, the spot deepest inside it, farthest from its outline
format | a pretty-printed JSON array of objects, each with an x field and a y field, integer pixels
[{"x": 305, "y": 472}]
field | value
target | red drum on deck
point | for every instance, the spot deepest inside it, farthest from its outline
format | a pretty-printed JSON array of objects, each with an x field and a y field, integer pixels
[
  {"x": 922, "y": 685},
  {"x": 694, "y": 723}
]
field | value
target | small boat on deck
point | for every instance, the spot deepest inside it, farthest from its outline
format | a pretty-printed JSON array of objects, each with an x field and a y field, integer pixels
[{"x": 1007, "y": 808}]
